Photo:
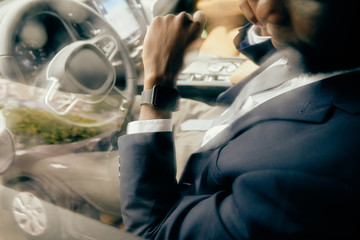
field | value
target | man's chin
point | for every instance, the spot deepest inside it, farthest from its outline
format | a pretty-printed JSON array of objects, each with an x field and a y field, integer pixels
[{"x": 277, "y": 44}]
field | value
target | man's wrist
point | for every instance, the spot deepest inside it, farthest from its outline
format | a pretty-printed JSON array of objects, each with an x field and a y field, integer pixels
[
  {"x": 148, "y": 113},
  {"x": 151, "y": 80},
  {"x": 161, "y": 98}
]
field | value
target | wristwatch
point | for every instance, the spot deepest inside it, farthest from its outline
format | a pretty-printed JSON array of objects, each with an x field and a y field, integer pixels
[{"x": 161, "y": 98}]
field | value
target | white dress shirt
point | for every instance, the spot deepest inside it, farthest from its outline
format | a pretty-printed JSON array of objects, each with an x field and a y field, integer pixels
[
  {"x": 162, "y": 125},
  {"x": 254, "y": 36}
]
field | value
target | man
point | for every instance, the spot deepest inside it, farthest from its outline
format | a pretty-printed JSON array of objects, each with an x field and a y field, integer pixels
[{"x": 282, "y": 162}]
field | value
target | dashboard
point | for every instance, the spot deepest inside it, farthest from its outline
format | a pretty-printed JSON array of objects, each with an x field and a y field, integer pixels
[
  {"x": 128, "y": 18},
  {"x": 119, "y": 14},
  {"x": 39, "y": 39}
]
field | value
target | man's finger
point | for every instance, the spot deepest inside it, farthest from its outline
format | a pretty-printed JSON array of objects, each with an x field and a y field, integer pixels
[
  {"x": 200, "y": 16},
  {"x": 248, "y": 11}
]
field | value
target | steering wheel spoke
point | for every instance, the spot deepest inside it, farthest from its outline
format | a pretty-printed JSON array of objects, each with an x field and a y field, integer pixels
[{"x": 107, "y": 45}]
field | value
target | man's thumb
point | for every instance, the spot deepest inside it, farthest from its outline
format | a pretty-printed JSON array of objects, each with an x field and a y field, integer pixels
[{"x": 200, "y": 16}]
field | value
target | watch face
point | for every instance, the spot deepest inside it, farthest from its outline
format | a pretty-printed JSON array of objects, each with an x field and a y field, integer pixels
[{"x": 165, "y": 98}]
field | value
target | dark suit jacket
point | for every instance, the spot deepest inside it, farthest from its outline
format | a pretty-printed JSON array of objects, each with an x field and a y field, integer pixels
[{"x": 289, "y": 169}]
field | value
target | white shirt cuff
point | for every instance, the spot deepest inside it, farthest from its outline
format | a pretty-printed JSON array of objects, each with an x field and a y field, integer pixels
[
  {"x": 254, "y": 35},
  {"x": 150, "y": 126}
]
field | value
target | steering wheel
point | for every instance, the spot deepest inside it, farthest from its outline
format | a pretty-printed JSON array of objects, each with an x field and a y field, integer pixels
[{"x": 65, "y": 47}]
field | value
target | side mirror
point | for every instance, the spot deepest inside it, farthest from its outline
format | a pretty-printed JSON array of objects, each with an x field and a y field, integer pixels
[{"x": 7, "y": 150}]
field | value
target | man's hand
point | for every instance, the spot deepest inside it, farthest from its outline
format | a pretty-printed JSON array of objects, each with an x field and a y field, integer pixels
[
  {"x": 164, "y": 48},
  {"x": 261, "y": 12},
  {"x": 165, "y": 44},
  {"x": 248, "y": 7}
]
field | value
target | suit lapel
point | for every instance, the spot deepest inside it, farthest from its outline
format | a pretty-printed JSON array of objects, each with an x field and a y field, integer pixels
[
  {"x": 228, "y": 96},
  {"x": 310, "y": 103}
]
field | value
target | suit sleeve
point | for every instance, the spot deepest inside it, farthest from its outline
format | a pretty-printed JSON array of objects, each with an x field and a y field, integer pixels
[
  {"x": 266, "y": 204},
  {"x": 148, "y": 187},
  {"x": 255, "y": 52}
]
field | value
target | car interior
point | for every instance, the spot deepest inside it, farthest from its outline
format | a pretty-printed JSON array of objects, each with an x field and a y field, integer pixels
[{"x": 70, "y": 77}]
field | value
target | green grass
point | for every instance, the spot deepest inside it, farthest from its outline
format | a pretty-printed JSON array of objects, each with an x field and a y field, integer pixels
[{"x": 33, "y": 127}]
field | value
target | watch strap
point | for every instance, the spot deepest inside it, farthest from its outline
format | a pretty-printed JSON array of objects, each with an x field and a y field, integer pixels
[
  {"x": 146, "y": 97},
  {"x": 161, "y": 98}
]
